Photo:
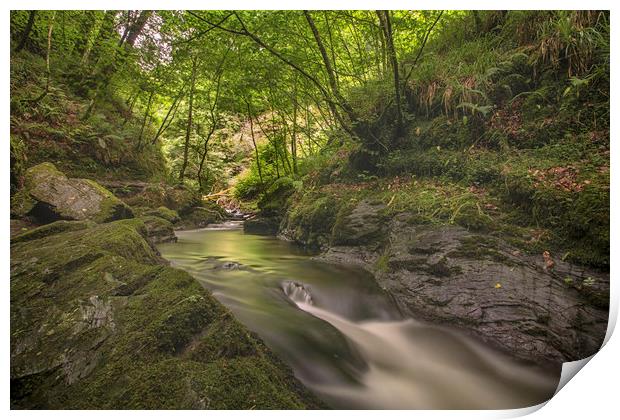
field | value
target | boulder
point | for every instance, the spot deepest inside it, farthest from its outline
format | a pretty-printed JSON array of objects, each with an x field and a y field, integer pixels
[
  {"x": 534, "y": 310},
  {"x": 199, "y": 217},
  {"x": 49, "y": 195},
  {"x": 158, "y": 230},
  {"x": 262, "y": 225},
  {"x": 164, "y": 213},
  {"x": 97, "y": 322},
  {"x": 155, "y": 195}
]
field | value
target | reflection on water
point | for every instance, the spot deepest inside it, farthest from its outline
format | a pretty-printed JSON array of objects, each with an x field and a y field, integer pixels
[{"x": 343, "y": 336}]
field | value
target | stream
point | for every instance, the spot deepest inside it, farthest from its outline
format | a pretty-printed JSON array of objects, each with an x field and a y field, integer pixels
[{"x": 345, "y": 338}]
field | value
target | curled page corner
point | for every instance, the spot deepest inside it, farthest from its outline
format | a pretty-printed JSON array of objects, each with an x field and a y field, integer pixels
[{"x": 569, "y": 370}]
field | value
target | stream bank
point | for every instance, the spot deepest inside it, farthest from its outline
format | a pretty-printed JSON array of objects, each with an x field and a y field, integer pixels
[
  {"x": 535, "y": 307},
  {"x": 99, "y": 320}
]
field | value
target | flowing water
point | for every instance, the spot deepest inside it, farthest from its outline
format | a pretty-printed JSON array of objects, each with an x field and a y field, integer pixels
[{"x": 344, "y": 337}]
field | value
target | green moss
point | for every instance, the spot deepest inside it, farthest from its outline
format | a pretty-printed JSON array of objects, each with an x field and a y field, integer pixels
[
  {"x": 110, "y": 207},
  {"x": 481, "y": 248},
  {"x": 164, "y": 213},
  {"x": 273, "y": 201},
  {"x": 382, "y": 263},
  {"x": 52, "y": 229},
  {"x": 311, "y": 219},
  {"x": 223, "y": 339},
  {"x": 174, "y": 328},
  {"x": 199, "y": 217},
  {"x": 95, "y": 323}
]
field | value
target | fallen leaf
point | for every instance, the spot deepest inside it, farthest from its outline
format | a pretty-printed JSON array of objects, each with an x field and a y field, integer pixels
[{"x": 549, "y": 263}]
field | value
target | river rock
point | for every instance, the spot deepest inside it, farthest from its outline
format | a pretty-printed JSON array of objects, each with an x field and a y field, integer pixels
[
  {"x": 49, "y": 195},
  {"x": 477, "y": 281},
  {"x": 158, "y": 230},
  {"x": 165, "y": 213},
  {"x": 262, "y": 225},
  {"x": 200, "y": 217},
  {"x": 179, "y": 198},
  {"x": 97, "y": 322}
]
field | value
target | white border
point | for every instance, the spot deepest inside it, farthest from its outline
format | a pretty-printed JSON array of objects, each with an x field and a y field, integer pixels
[{"x": 592, "y": 395}]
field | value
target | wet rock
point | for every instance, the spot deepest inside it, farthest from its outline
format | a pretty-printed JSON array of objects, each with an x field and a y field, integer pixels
[
  {"x": 450, "y": 275},
  {"x": 163, "y": 212},
  {"x": 48, "y": 195},
  {"x": 159, "y": 230},
  {"x": 230, "y": 265},
  {"x": 155, "y": 195},
  {"x": 97, "y": 322},
  {"x": 262, "y": 225},
  {"x": 361, "y": 225},
  {"x": 199, "y": 217}
]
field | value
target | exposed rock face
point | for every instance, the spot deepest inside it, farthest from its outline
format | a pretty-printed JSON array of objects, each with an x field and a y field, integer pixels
[
  {"x": 178, "y": 204},
  {"x": 200, "y": 217},
  {"x": 97, "y": 322},
  {"x": 159, "y": 230},
  {"x": 153, "y": 195},
  {"x": 164, "y": 213},
  {"x": 262, "y": 225},
  {"x": 450, "y": 275},
  {"x": 48, "y": 195}
]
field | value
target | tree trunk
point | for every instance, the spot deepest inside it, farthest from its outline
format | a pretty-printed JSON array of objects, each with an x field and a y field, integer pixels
[
  {"x": 329, "y": 99},
  {"x": 132, "y": 102},
  {"x": 328, "y": 67},
  {"x": 137, "y": 27},
  {"x": 188, "y": 131},
  {"x": 92, "y": 38},
  {"x": 146, "y": 114},
  {"x": 163, "y": 126},
  {"x": 294, "y": 132},
  {"x": 260, "y": 172},
  {"x": 384, "y": 19},
  {"x": 48, "y": 72},
  {"x": 214, "y": 118},
  {"x": 22, "y": 43}
]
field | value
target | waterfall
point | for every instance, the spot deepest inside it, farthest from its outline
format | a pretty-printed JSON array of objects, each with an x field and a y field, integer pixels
[{"x": 297, "y": 292}]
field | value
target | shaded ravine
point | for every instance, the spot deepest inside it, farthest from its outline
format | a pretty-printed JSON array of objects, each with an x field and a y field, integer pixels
[{"x": 344, "y": 337}]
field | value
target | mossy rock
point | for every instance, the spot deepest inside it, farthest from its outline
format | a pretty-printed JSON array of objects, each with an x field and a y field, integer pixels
[
  {"x": 262, "y": 225},
  {"x": 200, "y": 217},
  {"x": 52, "y": 229},
  {"x": 164, "y": 213},
  {"x": 359, "y": 224},
  {"x": 48, "y": 195},
  {"x": 273, "y": 201},
  {"x": 98, "y": 323},
  {"x": 179, "y": 198},
  {"x": 311, "y": 219},
  {"x": 158, "y": 230}
]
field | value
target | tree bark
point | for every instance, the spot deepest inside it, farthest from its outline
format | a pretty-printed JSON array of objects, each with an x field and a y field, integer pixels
[
  {"x": 163, "y": 126},
  {"x": 48, "y": 72},
  {"x": 22, "y": 43},
  {"x": 384, "y": 19},
  {"x": 146, "y": 114},
  {"x": 260, "y": 172},
  {"x": 188, "y": 131},
  {"x": 137, "y": 27},
  {"x": 214, "y": 118}
]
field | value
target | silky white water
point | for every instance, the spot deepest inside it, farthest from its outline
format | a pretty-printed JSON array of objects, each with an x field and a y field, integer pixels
[{"x": 344, "y": 337}]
